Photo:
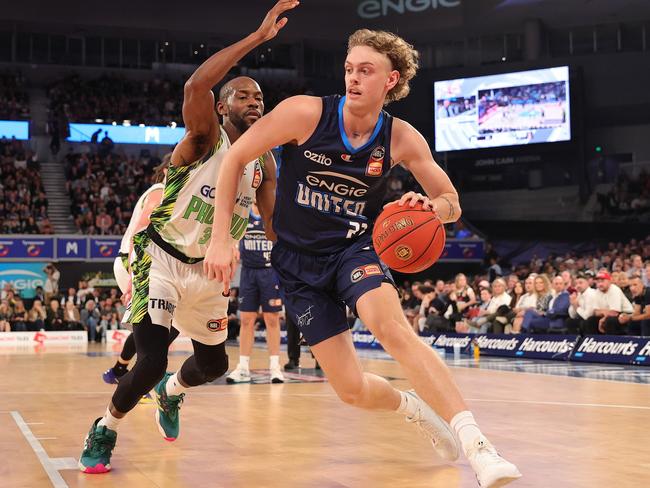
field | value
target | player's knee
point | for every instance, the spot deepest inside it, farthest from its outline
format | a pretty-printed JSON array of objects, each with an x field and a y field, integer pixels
[
  {"x": 149, "y": 370},
  {"x": 352, "y": 393},
  {"x": 215, "y": 369}
]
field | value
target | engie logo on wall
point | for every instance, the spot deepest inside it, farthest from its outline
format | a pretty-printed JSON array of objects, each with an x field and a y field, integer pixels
[
  {"x": 23, "y": 277},
  {"x": 373, "y": 9}
]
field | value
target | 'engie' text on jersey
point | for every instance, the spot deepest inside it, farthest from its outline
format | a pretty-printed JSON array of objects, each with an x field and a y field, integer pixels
[{"x": 328, "y": 203}]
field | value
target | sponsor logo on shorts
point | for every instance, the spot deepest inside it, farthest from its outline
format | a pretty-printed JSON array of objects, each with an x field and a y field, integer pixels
[
  {"x": 403, "y": 252},
  {"x": 305, "y": 319},
  {"x": 162, "y": 304},
  {"x": 362, "y": 272},
  {"x": 376, "y": 162},
  {"x": 275, "y": 302},
  {"x": 217, "y": 325}
]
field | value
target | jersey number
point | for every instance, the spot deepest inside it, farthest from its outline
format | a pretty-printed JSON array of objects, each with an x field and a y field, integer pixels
[
  {"x": 357, "y": 229},
  {"x": 207, "y": 233}
]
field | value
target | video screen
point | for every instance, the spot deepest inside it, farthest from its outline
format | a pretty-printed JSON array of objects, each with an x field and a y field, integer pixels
[{"x": 508, "y": 109}]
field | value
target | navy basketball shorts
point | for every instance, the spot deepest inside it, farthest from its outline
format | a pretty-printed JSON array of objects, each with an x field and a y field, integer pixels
[
  {"x": 316, "y": 289},
  {"x": 259, "y": 287}
]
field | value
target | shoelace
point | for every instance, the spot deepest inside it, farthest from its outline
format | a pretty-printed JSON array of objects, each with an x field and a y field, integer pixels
[
  {"x": 171, "y": 406},
  {"x": 425, "y": 429},
  {"x": 99, "y": 444},
  {"x": 486, "y": 453}
]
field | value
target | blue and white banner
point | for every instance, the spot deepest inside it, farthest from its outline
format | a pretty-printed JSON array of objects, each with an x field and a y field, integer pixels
[
  {"x": 121, "y": 134},
  {"x": 27, "y": 248},
  {"x": 519, "y": 346},
  {"x": 14, "y": 128},
  {"x": 23, "y": 277},
  {"x": 73, "y": 248},
  {"x": 104, "y": 248},
  {"x": 613, "y": 349},
  {"x": 463, "y": 250}
]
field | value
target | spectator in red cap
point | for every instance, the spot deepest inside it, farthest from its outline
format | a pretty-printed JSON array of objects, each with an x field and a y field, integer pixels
[{"x": 611, "y": 303}]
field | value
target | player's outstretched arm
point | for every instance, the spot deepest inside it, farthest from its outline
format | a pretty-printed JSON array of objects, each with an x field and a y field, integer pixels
[
  {"x": 265, "y": 195},
  {"x": 294, "y": 119},
  {"x": 199, "y": 116},
  {"x": 411, "y": 150}
]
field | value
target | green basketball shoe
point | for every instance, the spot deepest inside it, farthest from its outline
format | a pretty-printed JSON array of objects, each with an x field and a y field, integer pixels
[
  {"x": 98, "y": 447},
  {"x": 167, "y": 411}
]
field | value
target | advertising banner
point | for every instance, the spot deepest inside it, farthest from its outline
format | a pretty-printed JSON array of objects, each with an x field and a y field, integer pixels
[
  {"x": 43, "y": 338},
  {"x": 463, "y": 250},
  {"x": 613, "y": 349},
  {"x": 14, "y": 129},
  {"x": 104, "y": 248},
  {"x": 121, "y": 134},
  {"x": 72, "y": 248},
  {"x": 23, "y": 277},
  {"x": 26, "y": 247}
]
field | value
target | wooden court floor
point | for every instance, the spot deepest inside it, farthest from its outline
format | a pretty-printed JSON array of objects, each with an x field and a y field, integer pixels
[{"x": 560, "y": 431}]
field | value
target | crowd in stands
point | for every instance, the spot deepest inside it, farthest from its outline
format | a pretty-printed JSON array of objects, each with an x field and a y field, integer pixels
[
  {"x": 114, "y": 98},
  {"x": 628, "y": 198},
  {"x": 95, "y": 310},
  {"x": 23, "y": 203},
  {"x": 607, "y": 292},
  {"x": 104, "y": 187},
  {"x": 14, "y": 101}
]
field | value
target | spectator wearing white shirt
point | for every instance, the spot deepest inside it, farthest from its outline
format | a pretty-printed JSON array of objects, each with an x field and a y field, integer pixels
[
  {"x": 611, "y": 303},
  {"x": 583, "y": 303}
]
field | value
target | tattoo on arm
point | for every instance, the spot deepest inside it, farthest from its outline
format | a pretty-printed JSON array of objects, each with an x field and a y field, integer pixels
[{"x": 451, "y": 206}]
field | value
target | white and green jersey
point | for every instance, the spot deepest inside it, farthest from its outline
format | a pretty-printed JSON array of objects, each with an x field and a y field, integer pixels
[
  {"x": 184, "y": 217},
  {"x": 131, "y": 230}
]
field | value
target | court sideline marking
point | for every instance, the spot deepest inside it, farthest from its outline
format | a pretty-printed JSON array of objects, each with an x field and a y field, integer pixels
[{"x": 49, "y": 464}]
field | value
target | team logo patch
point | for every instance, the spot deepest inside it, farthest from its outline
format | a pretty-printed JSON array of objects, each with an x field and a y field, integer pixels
[
  {"x": 217, "y": 325},
  {"x": 403, "y": 252},
  {"x": 363, "y": 272},
  {"x": 257, "y": 175},
  {"x": 346, "y": 157},
  {"x": 375, "y": 165}
]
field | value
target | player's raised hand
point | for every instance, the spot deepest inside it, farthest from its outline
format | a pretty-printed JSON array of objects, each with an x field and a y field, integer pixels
[{"x": 270, "y": 26}]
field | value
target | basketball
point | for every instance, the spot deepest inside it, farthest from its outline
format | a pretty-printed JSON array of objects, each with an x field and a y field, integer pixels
[{"x": 408, "y": 239}]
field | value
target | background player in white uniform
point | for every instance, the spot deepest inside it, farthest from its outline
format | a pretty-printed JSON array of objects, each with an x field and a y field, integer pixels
[
  {"x": 168, "y": 277},
  {"x": 258, "y": 287},
  {"x": 149, "y": 200}
]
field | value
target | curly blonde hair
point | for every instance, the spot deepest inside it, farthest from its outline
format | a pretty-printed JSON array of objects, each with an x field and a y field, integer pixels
[{"x": 403, "y": 57}]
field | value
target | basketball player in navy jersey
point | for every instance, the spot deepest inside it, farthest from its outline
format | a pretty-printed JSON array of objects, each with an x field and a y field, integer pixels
[
  {"x": 337, "y": 154},
  {"x": 258, "y": 287}
]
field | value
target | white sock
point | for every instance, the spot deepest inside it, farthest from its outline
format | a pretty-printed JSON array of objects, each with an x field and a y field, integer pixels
[
  {"x": 408, "y": 405},
  {"x": 174, "y": 387},
  {"x": 466, "y": 429},
  {"x": 244, "y": 362},
  {"x": 274, "y": 361},
  {"x": 110, "y": 421}
]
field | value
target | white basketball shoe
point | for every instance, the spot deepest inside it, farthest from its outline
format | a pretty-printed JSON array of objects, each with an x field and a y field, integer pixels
[
  {"x": 239, "y": 375},
  {"x": 276, "y": 374},
  {"x": 435, "y": 428},
  {"x": 492, "y": 471}
]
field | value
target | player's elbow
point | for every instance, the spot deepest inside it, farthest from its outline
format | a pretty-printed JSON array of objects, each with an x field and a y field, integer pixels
[{"x": 194, "y": 85}]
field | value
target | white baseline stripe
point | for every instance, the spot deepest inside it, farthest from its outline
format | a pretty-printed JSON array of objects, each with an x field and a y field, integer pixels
[
  {"x": 560, "y": 404},
  {"x": 56, "y": 479}
]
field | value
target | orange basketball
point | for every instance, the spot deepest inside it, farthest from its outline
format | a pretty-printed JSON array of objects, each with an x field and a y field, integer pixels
[{"x": 407, "y": 239}]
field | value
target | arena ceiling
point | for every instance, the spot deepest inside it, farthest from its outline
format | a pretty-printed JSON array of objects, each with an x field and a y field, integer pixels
[{"x": 328, "y": 19}]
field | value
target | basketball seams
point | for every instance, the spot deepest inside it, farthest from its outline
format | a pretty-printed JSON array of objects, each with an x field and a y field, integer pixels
[
  {"x": 433, "y": 217},
  {"x": 423, "y": 253}
]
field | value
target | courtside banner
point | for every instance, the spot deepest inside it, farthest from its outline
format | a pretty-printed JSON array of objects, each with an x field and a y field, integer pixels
[
  {"x": 43, "y": 338},
  {"x": 557, "y": 347},
  {"x": 463, "y": 250},
  {"x": 365, "y": 340},
  {"x": 613, "y": 349},
  {"x": 104, "y": 248},
  {"x": 27, "y": 248}
]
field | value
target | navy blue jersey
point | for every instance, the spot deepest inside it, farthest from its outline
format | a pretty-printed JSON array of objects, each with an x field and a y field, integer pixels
[
  {"x": 255, "y": 248},
  {"x": 329, "y": 193}
]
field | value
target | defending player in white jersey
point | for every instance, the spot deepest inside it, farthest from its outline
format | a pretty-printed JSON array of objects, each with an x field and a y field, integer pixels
[{"x": 168, "y": 277}]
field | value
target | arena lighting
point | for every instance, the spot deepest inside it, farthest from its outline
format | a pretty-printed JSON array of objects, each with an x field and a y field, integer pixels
[
  {"x": 172, "y": 125},
  {"x": 126, "y": 123},
  {"x": 99, "y": 121},
  {"x": 141, "y": 125},
  {"x": 599, "y": 149},
  {"x": 202, "y": 45},
  {"x": 114, "y": 123}
]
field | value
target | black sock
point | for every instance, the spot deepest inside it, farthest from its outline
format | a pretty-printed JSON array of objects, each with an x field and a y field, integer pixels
[{"x": 120, "y": 369}]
